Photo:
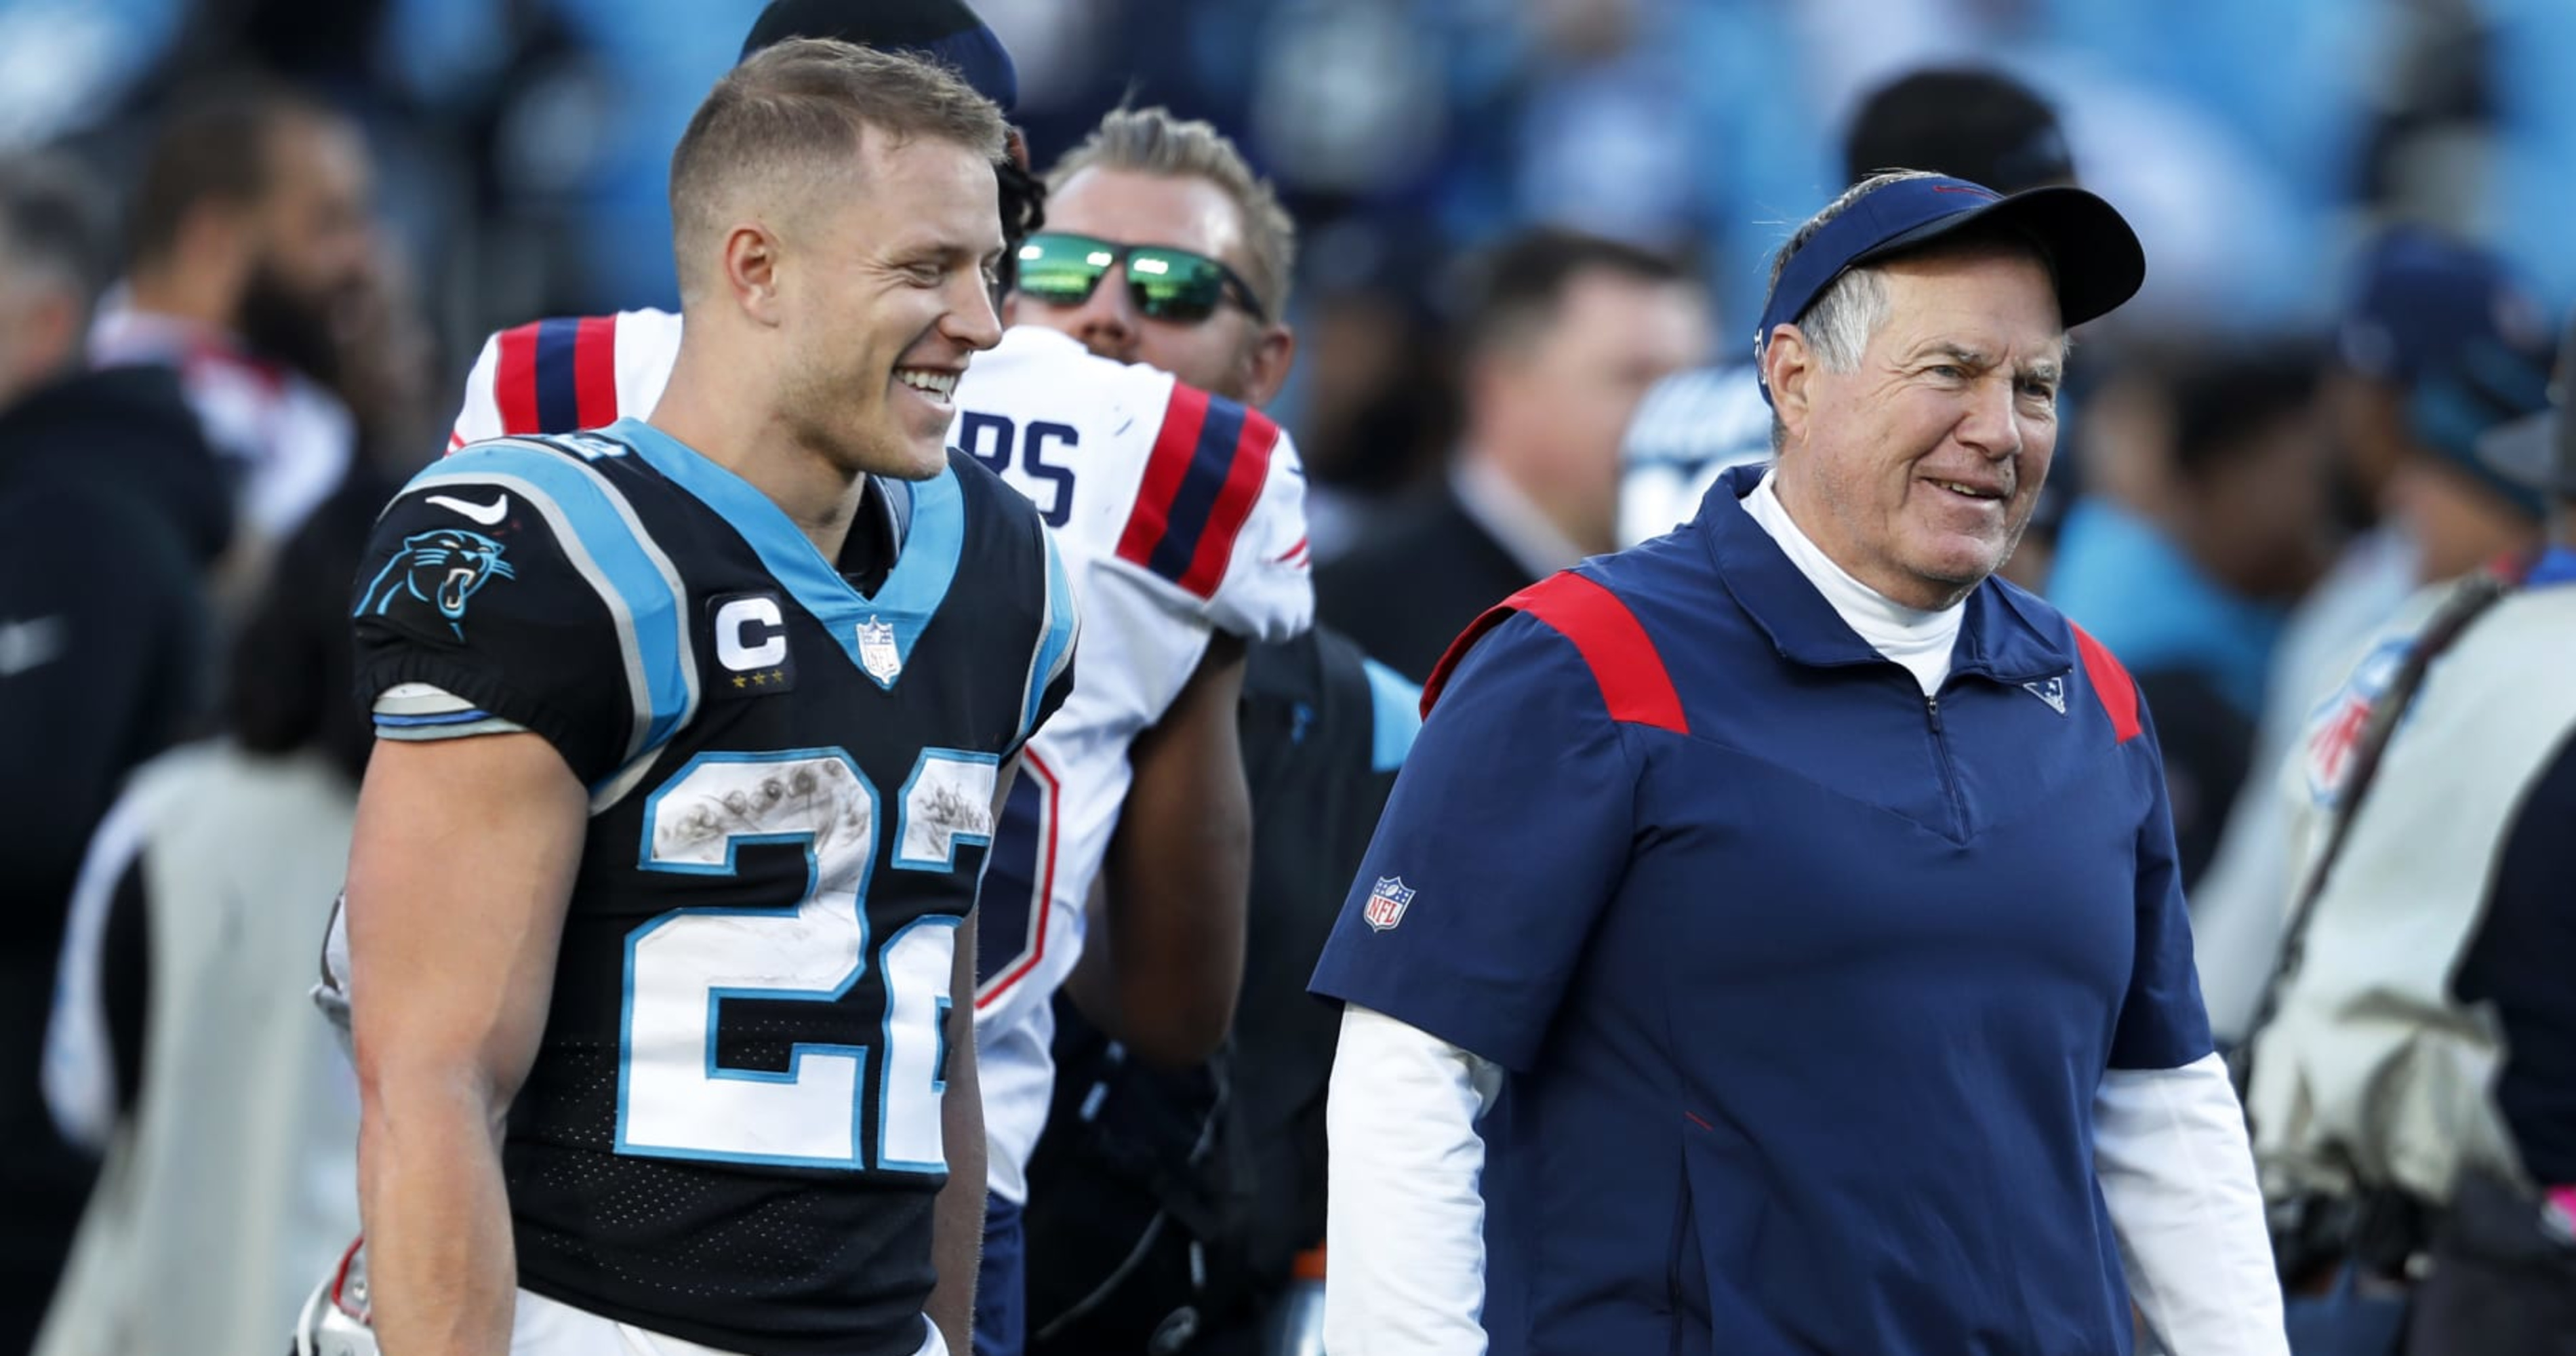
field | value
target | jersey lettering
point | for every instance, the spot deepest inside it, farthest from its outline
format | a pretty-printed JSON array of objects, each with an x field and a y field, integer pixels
[
  {"x": 674, "y": 1099},
  {"x": 993, "y": 439}
]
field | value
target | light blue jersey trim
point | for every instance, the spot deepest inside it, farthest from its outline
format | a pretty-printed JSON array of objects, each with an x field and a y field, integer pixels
[
  {"x": 913, "y": 590},
  {"x": 1395, "y": 706},
  {"x": 1055, "y": 642},
  {"x": 598, "y": 532}
]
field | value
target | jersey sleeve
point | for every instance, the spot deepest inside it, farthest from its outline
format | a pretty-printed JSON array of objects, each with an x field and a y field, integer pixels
[
  {"x": 508, "y": 587},
  {"x": 1507, "y": 833},
  {"x": 547, "y": 376},
  {"x": 2163, "y": 1024},
  {"x": 479, "y": 418},
  {"x": 1220, "y": 516}
]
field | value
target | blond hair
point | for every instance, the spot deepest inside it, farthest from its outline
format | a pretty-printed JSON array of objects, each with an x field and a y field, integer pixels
[
  {"x": 1153, "y": 141},
  {"x": 793, "y": 114}
]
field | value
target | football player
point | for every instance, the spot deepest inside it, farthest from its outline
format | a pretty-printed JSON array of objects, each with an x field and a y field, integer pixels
[
  {"x": 692, "y": 735},
  {"x": 1180, "y": 515}
]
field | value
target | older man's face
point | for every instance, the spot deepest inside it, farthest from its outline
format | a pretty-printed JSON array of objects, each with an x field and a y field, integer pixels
[{"x": 1918, "y": 470}]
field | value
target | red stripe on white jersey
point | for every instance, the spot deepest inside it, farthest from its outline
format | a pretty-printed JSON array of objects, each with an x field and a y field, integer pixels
[
  {"x": 1164, "y": 471},
  {"x": 594, "y": 365},
  {"x": 1234, "y": 501},
  {"x": 514, "y": 380}
]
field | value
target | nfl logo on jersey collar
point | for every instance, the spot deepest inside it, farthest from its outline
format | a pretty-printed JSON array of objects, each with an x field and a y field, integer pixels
[
  {"x": 1387, "y": 902},
  {"x": 877, "y": 652}
]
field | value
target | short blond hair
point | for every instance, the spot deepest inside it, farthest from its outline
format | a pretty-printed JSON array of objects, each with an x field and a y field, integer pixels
[
  {"x": 794, "y": 114},
  {"x": 1153, "y": 141}
]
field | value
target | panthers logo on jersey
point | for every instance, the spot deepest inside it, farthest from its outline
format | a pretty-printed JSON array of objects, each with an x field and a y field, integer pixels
[{"x": 443, "y": 569}]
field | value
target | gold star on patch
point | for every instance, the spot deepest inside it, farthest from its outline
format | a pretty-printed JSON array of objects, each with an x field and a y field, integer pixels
[{"x": 740, "y": 681}]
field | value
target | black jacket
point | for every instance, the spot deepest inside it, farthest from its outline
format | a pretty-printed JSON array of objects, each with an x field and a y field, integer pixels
[
  {"x": 1426, "y": 572},
  {"x": 111, "y": 507}
]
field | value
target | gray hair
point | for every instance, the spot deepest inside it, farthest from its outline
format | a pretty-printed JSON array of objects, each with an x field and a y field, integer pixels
[{"x": 1839, "y": 322}]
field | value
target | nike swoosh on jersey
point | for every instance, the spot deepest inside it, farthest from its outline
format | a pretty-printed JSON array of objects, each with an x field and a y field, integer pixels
[{"x": 486, "y": 515}]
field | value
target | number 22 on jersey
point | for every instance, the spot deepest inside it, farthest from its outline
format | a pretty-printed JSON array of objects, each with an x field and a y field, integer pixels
[{"x": 674, "y": 1100}]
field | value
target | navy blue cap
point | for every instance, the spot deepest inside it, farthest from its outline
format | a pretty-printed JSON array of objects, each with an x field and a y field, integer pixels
[
  {"x": 2091, "y": 252},
  {"x": 2539, "y": 450},
  {"x": 2423, "y": 299},
  {"x": 945, "y": 31}
]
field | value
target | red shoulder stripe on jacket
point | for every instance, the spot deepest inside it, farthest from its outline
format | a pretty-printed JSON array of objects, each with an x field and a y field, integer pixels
[
  {"x": 2111, "y": 685},
  {"x": 1630, "y": 672}
]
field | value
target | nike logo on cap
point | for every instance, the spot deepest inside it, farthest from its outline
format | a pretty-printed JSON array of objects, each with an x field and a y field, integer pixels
[{"x": 487, "y": 515}]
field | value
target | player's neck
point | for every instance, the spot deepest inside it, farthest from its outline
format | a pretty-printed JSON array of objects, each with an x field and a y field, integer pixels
[{"x": 816, "y": 493}]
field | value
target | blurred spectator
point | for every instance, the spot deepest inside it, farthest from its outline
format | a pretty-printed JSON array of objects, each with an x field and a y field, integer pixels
[
  {"x": 2414, "y": 1090},
  {"x": 183, "y": 1044},
  {"x": 2438, "y": 345},
  {"x": 1375, "y": 396},
  {"x": 253, "y": 261},
  {"x": 2187, "y": 577},
  {"x": 1563, "y": 337},
  {"x": 112, "y": 508},
  {"x": 1979, "y": 125}
]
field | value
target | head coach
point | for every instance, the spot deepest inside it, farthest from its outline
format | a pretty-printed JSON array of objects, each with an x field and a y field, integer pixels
[{"x": 1774, "y": 942}]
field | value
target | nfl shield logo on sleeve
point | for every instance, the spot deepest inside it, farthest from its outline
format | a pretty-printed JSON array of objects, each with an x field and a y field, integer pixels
[
  {"x": 1386, "y": 903},
  {"x": 876, "y": 650}
]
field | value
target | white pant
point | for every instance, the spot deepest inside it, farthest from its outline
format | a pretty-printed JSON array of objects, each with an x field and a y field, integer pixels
[{"x": 551, "y": 1328}]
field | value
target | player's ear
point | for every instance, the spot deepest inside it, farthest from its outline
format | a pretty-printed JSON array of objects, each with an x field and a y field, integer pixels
[
  {"x": 1789, "y": 369},
  {"x": 1266, "y": 363},
  {"x": 751, "y": 271}
]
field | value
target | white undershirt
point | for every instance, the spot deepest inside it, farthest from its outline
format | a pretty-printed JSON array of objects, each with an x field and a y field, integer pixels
[
  {"x": 1919, "y": 640},
  {"x": 1404, "y": 1222}
]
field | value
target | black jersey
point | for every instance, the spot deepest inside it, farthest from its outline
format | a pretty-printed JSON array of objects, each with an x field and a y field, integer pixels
[{"x": 731, "y": 1133}]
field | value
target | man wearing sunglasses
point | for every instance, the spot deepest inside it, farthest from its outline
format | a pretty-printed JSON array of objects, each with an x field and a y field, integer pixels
[
  {"x": 1180, "y": 516},
  {"x": 1162, "y": 247}
]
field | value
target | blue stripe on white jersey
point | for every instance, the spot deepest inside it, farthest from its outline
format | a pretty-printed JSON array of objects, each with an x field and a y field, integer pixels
[
  {"x": 558, "y": 380},
  {"x": 1194, "y": 503}
]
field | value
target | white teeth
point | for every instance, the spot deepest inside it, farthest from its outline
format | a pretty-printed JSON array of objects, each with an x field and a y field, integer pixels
[
  {"x": 940, "y": 384},
  {"x": 1968, "y": 490}
]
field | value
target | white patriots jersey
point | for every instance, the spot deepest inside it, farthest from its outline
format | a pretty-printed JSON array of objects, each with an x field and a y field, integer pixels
[
  {"x": 1178, "y": 514},
  {"x": 1687, "y": 431}
]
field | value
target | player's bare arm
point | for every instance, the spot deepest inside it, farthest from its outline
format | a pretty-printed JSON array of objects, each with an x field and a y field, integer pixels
[
  {"x": 458, "y": 874},
  {"x": 1180, "y": 869}
]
